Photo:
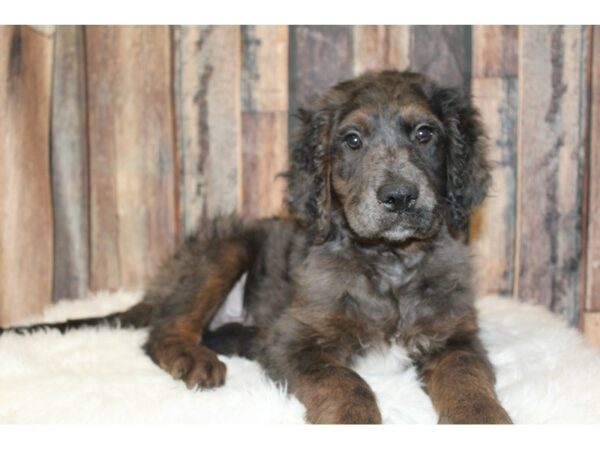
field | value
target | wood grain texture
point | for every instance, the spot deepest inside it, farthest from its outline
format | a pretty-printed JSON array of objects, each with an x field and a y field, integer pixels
[
  {"x": 208, "y": 104},
  {"x": 320, "y": 56},
  {"x": 495, "y": 93},
  {"x": 186, "y": 122},
  {"x": 25, "y": 203},
  {"x": 379, "y": 47},
  {"x": 495, "y": 51},
  {"x": 68, "y": 148},
  {"x": 591, "y": 328},
  {"x": 264, "y": 73},
  {"x": 133, "y": 168},
  {"x": 265, "y": 158},
  {"x": 550, "y": 165},
  {"x": 592, "y": 302},
  {"x": 443, "y": 52},
  {"x": 264, "y": 119},
  {"x": 492, "y": 227}
]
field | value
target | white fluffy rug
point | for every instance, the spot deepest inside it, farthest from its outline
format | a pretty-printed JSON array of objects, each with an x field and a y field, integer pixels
[{"x": 546, "y": 374}]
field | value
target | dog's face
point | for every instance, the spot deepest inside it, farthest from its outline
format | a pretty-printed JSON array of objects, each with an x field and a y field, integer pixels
[
  {"x": 393, "y": 153},
  {"x": 388, "y": 163}
]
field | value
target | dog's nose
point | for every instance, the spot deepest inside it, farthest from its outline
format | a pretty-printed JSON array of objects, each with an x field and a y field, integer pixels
[{"x": 398, "y": 197}]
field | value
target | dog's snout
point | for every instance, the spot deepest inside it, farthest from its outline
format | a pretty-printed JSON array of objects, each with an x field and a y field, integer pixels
[{"x": 398, "y": 197}]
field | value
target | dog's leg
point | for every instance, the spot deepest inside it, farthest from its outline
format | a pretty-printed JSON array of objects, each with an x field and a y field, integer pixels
[
  {"x": 316, "y": 373},
  {"x": 333, "y": 393},
  {"x": 460, "y": 381},
  {"x": 196, "y": 281}
]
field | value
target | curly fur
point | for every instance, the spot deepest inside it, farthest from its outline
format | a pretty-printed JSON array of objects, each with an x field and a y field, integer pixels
[{"x": 468, "y": 169}]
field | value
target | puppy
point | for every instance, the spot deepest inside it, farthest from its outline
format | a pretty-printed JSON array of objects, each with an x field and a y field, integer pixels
[{"x": 383, "y": 176}]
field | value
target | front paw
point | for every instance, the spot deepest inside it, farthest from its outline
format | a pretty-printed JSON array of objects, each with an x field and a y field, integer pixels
[
  {"x": 196, "y": 365},
  {"x": 484, "y": 410}
]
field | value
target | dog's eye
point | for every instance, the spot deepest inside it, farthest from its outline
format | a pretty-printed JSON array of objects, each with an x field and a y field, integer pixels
[
  {"x": 424, "y": 134},
  {"x": 353, "y": 141}
]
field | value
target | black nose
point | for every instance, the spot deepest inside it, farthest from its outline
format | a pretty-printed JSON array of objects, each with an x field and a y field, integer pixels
[{"x": 398, "y": 197}]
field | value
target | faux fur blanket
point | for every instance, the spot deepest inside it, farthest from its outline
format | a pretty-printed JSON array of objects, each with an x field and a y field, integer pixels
[{"x": 545, "y": 374}]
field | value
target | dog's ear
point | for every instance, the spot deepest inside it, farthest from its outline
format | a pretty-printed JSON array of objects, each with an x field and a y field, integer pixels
[
  {"x": 309, "y": 178},
  {"x": 467, "y": 169}
]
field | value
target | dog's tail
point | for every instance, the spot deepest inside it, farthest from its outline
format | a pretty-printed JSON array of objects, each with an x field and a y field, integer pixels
[{"x": 137, "y": 316}]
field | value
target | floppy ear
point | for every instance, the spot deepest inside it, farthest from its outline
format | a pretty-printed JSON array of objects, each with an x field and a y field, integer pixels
[
  {"x": 309, "y": 193},
  {"x": 467, "y": 170}
]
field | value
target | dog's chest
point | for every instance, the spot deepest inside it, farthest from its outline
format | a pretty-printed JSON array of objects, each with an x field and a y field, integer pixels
[
  {"x": 397, "y": 307},
  {"x": 390, "y": 272},
  {"x": 376, "y": 286}
]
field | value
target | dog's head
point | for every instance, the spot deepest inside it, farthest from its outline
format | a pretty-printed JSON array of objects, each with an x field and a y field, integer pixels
[{"x": 391, "y": 152}]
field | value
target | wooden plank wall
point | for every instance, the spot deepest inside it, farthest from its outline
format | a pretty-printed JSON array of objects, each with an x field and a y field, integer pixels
[
  {"x": 265, "y": 56},
  {"x": 208, "y": 120},
  {"x": 132, "y": 165},
  {"x": 533, "y": 87},
  {"x": 26, "y": 238},
  {"x": 496, "y": 93},
  {"x": 69, "y": 159},
  {"x": 550, "y": 160},
  {"x": 591, "y": 318},
  {"x": 140, "y": 131}
]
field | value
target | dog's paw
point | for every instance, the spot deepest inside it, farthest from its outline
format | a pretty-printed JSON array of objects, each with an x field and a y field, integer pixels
[
  {"x": 194, "y": 364},
  {"x": 198, "y": 367}
]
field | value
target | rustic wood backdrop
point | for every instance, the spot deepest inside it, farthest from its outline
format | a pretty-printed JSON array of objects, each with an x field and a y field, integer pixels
[{"x": 115, "y": 140}]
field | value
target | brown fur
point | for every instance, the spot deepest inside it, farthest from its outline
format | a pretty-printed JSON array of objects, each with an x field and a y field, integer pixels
[
  {"x": 335, "y": 394},
  {"x": 460, "y": 383},
  {"x": 383, "y": 176},
  {"x": 175, "y": 345}
]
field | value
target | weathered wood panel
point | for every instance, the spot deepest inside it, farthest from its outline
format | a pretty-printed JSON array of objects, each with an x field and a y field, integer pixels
[
  {"x": 379, "y": 47},
  {"x": 495, "y": 51},
  {"x": 25, "y": 203},
  {"x": 264, "y": 73},
  {"x": 591, "y": 328},
  {"x": 207, "y": 87},
  {"x": 492, "y": 227},
  {"x": 133, "y": 168},
  {"x": 69, "y": 165},
  {"x": 550, "y": 165},
  {"x": 443, "y": 52},
  {"x": 495, "y": 92},
  {"x": 264, "y": 119},
  {"x": 158, "y": 163},
  {"x": 265, "y": 158},
  {"x": 320, "y": 56},
  {"x": 593, "y": 252}
]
